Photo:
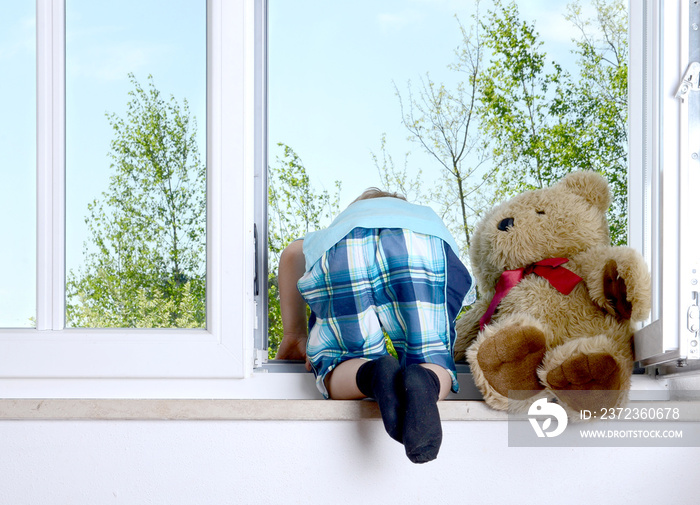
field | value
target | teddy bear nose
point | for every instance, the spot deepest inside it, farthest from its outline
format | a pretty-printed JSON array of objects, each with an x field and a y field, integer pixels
[{"x": 506, "y": 223}]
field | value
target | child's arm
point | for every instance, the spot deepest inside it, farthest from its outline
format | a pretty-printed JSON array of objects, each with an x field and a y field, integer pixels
[{"x": 292, "y": 305}]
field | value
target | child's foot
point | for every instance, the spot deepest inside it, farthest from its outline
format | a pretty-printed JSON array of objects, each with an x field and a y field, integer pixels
[
  {"x": 381, "y": 379},
  {"x": 422, "y": 434}
]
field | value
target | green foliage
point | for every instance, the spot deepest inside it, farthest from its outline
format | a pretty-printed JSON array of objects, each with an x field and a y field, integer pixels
[
  {"x": 545, "y": 122},
  {"x": 515, "y": 93},
  {"x": 295, "y": 208},
  {"x": 599, "y": 102},
  {"x": 144, "y": 265}
]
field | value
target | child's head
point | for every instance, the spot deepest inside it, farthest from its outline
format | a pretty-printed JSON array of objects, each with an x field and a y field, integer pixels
[{"x": 377, "y": 193}]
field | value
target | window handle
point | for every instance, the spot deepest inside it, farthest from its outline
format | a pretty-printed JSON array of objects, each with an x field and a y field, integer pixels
[{"x": 690, "y": 82}]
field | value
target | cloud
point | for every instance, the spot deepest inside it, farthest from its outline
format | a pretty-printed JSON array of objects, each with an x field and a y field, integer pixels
[
  {"x": 394, "y": 21},
  {"x": 113, "y": 61},
  {"x": 108, "y": 52},
  {"x": 550, "y": 22}
]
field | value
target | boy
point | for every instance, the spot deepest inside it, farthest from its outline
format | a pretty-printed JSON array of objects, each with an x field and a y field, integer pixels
[{"x": 382, "y": 264}]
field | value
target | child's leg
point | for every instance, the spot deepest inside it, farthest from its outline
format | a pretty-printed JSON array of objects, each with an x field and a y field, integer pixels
[
  {"x": 379, "y": 379},
  {"x": 425, "y": 300},
  {"x": 425, "y": 385},
  {"x": 444, "y": 377},
  {"x": 341, "y": 383}
]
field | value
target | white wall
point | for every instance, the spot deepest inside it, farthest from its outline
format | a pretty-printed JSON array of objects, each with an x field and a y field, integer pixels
[{"x": 287, "y": 462}]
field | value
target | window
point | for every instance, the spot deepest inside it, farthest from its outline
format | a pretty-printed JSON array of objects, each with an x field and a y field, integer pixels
[
  {"x": 665, "y": 168},
  {"x": 50, "y": 360}
]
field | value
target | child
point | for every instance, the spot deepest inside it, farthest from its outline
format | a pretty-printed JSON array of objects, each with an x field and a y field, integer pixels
[{"x": 383, "y": 263}]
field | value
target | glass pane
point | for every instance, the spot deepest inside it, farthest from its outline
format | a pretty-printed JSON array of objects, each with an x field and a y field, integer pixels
[
  {"x": 454, "y": 107},
  {"x": 18, "y": 163},
  {"x": 135, "y": 163}
]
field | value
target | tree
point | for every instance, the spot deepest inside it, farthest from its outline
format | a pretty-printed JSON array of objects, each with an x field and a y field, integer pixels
[
  {"x": 545, "y": 122},
  {"x": 399, "y": 180},
  {"x": 444, "y": 122},
  {"x": 599, "y": 101},
  {"x": 295, "y": 208},
  {"x": 145, "y": 261},
  {"x": 516, "y": 96}
]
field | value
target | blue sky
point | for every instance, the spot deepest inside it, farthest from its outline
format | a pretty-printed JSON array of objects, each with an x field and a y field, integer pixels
[
  {"x": 332, "y": 68},
  {"x": 17, "y": 162},
  {"x": 333, "y": 65}
]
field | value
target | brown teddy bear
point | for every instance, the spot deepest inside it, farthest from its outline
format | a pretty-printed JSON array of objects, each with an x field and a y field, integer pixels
[{"x": 557, "y": 302}]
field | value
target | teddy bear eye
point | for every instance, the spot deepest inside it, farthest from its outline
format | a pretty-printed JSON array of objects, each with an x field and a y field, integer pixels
[{"x": 540, "y": 212}]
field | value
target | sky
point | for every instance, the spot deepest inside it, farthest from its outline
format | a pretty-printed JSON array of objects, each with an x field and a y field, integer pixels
[
  {"x": 332, "y": 94},
  {"x": 332, "y": 70},
  {"x": 17, "y": 162}
]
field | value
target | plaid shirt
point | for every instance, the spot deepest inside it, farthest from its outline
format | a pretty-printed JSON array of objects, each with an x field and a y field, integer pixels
[{"x": 410, "y": 285}]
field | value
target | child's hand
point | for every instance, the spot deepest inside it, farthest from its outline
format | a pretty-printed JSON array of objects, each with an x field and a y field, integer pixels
[{"x": 293, "y": 347}]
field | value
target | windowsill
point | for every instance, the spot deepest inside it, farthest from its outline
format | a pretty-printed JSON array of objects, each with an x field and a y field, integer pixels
[
  {"x": 254, "y": 410},
  {"x": 224, "y": 410}
]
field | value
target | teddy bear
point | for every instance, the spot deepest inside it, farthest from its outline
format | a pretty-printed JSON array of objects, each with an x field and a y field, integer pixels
[{"x": 557, "y": 305}]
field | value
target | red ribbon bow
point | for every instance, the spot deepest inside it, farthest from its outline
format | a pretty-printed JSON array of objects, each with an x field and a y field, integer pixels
[{"x": 563, "y": 279}]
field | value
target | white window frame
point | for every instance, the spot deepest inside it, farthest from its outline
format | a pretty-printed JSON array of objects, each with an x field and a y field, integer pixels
[
  {"x": 662, "y": 203},
  {"x": 54, "y": 362}
]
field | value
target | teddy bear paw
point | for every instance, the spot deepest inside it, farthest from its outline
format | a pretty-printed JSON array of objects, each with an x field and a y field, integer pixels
[
  {"x": 509, "y": 360},
  {"x": 615, "y": 290},
  {"x": 587, "y": 381}
]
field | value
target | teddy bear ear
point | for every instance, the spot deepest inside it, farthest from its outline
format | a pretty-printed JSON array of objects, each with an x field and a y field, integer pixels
[{"x": 589, "y": 185}]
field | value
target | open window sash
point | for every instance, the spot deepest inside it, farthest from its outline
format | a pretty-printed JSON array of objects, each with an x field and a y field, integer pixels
[{"x": 665, "y": 177}]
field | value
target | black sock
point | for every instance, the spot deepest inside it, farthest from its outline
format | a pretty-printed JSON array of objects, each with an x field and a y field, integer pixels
[
  {"x": 381, "y": 379},
  {"x": 422, "y": 434}
]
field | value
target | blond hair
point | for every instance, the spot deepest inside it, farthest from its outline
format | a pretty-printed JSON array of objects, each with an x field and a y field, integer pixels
[{"x": 377, "y": 193}]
